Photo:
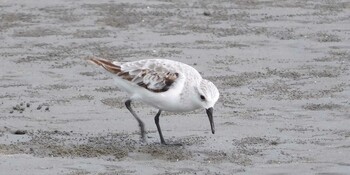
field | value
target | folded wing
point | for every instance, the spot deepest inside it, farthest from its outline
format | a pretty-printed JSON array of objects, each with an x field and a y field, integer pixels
[{"x": 152, "y": 76}]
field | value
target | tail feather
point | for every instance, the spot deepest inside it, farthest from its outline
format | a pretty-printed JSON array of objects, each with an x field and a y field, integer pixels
[{"x": 106, "y": 64}]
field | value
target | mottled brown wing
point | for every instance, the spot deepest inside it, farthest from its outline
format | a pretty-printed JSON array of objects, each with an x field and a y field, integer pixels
[{"x": 150, "y": 79}]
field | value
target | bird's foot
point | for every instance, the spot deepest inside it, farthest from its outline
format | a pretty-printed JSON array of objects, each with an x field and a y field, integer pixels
[{"x": 143, "y": 140}]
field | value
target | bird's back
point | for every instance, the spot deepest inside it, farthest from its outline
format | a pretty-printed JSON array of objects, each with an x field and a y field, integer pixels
[{"x": 159, "y": 66}]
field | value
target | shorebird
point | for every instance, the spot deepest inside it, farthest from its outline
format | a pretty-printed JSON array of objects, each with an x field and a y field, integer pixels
[{"x": 164, "y": 84}]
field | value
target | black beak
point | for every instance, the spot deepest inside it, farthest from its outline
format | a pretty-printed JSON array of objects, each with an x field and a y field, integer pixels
[{"x": 210, "y": 116}]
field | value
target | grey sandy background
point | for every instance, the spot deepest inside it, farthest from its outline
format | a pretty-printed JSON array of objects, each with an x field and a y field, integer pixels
[{"x": 282, "y": 68}]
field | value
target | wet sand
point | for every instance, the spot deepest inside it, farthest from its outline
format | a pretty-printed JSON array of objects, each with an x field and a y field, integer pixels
[{"x": 282, "y": 68}]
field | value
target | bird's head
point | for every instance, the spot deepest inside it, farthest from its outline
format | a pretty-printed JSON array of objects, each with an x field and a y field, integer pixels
[{"x": 207, "y": 96}]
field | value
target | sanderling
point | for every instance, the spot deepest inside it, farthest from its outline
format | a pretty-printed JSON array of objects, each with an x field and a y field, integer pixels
[{"x": 164, "y": 84}]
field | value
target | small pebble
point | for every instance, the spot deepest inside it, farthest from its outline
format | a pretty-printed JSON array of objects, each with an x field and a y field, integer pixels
[
  {"x": 206, "y": 13},
  {"x": 20, "y": 132},
  {"x": 274, "y": 143},
  {"x": 28, "y": 105},
  {"x": 39, "y": 107},
  {"x": 47, "y": 108}
]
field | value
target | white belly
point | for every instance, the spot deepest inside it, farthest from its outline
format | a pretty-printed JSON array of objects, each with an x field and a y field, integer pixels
[{"x": 166, "y": 101}]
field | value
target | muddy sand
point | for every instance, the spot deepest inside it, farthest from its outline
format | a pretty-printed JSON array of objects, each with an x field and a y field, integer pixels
[{"x": 282, "y": 68}]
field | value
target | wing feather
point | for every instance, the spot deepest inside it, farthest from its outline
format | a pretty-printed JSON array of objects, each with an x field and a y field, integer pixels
[{"x": 151, "y": 76}]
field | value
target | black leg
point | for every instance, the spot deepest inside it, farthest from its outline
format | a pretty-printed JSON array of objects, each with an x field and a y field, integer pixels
[
  {"x": 156, "y": 120},
  {"x": 142, "y": 126}
]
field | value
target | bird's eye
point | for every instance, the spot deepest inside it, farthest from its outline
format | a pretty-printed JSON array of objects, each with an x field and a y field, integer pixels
[{"x": 202, "y": 97}]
